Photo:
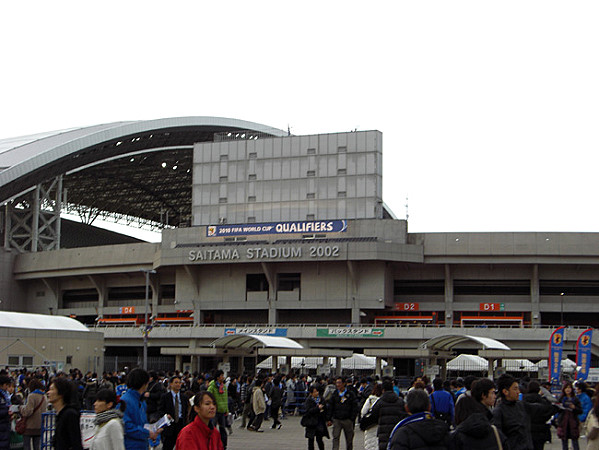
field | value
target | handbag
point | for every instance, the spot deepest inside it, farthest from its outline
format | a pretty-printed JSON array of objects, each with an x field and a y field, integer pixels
[
  {"x": 21, "y": 423},
  {"x": 499, "y": 446},
  {"x": 591, "y": 428},
  {"x": 309, "y": 421},
  {"x": 368, "y": 421}
]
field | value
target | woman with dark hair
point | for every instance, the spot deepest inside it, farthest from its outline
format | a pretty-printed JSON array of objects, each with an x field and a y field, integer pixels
[
  {"x": 568, "y": 424},
  {"x": 109, "y": 432},
  {"x": 63, "y": 396},
  {"x": 135, "y": 417},
  {"x": 201, "y": 433},
  {"x": 371, "y": 440},
  {"x": 314, "y": 418},
  {"x": 32, "y": 413}
]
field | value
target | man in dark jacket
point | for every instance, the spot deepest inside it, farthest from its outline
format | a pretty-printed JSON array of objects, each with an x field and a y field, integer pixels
[
  {"x": 475, "y": 430},
  {"x": 156, "y": 390},
  {"x": 513, "y": 416},
  {"x": 341, "y": 413},
  {"x": 389, "y": 410},
  {"x": 539, "y": 428},
  {"x": 420, "y": 430},
  {"x": 5, "y": 382}
]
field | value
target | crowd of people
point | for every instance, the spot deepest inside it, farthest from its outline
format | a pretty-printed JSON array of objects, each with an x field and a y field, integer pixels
[
  {"x": 475, "y": 413},
  {"x": 140, "y": 410}
]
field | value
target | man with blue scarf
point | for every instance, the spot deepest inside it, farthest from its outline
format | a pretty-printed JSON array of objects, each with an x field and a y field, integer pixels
[{"x": 420, "y": 430}]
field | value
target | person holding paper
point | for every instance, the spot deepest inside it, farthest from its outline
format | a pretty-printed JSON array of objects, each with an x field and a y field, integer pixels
[{"x": 173, "y": 404}]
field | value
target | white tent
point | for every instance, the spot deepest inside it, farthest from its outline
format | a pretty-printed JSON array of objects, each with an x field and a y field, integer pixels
[
  {"x": 567, "y": 364},
  {"x": 355, "y": 362},
  {"x": 467, "y": 363},
  {"x": 358, "y": 361},
  {"x": 296, "y": 362},
  {"x": 518, "y": 365}
]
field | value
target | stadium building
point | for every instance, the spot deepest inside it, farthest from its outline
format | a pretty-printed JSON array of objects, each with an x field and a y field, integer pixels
[{"x": 269, "y": 235}]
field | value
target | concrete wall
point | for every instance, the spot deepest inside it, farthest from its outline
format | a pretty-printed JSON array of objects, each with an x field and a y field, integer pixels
[
  {"x": 12, "y": 296},
  {"x": 330, "y": 176},
  {"x": 86, "y": 349}
]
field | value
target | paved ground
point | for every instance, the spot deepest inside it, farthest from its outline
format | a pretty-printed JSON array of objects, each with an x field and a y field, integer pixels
[{"x": 291, "y": 436}]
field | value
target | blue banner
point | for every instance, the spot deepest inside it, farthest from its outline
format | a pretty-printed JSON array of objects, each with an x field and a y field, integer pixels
[
  {"x": 556, "y": 345},
  {"x": 583, "y": 354},
  {"x": 318, "y": 226}
]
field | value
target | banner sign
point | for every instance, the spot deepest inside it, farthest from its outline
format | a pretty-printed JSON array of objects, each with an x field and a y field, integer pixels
[
  {"x": 281, "y": 332},
  {"x": 583, "y": 354},
  {"x": 350, "y": 332},
  {"x": 492, "y": 306},
  {"x": 325, "y": 226},
  {"x": 556, "y": 345}
]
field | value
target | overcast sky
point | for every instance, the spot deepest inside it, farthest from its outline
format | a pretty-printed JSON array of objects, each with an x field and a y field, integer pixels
[{"x": 489, "y": 110}]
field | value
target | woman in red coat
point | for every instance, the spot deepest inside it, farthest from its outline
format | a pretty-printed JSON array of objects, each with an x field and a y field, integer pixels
[{"x": 201, "y": 434}]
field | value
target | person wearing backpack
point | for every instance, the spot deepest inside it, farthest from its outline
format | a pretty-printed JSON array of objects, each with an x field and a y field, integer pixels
[{"x": 442, "y": 406}]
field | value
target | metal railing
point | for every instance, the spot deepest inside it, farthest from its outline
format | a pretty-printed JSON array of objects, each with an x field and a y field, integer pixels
[{"x": 338, "y": 325}]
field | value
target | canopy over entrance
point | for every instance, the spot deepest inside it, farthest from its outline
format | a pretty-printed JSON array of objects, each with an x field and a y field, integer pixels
[
  {"x": 249, "y": 341},
  {"x": 449, "y": 341}
]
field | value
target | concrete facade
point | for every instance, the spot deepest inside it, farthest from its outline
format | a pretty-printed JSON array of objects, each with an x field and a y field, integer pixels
[{"x": 327, "y": 176}]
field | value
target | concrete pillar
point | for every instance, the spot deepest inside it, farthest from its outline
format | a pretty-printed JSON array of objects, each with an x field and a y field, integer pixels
[
  {"x": 378, "y": 370},
  {"x": 275, "y": 364},
  {"x": 535, "y": 309},
  {"x": 490, "y": 374},
  {"x": 178, "y": 362},
  {"x": 272, "y": 313},
  {"x": 443, "y": 369},
  {"x": 448, "y": 296},
  {"x": 338, "y": 368}
]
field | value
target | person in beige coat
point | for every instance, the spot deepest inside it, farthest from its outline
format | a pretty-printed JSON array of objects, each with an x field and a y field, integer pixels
[
  {"x": 32, "y": 412},
  {"x": 259, "y": 406},
  {"x": 592, "y": 426}
]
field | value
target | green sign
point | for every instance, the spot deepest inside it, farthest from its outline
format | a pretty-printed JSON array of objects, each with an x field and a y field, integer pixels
[{"x": 350, "y": 332}]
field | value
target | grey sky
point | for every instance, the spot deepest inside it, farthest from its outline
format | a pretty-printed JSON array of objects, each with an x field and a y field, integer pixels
[{"x": 488, "y": 109}]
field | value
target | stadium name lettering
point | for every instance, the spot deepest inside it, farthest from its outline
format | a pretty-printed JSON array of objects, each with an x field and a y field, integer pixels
[{"x": 320, "y": 251}]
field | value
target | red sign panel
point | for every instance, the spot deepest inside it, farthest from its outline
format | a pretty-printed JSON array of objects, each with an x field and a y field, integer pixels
[
  {"x": 491, "y": 307},
  {"x": 407, "y": 306},
  {"x": 127, "y": 310}
]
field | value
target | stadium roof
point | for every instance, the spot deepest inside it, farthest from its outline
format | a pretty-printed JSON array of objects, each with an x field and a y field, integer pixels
[
  {"x": 136, "y": 169},
  {"x": 39, "y": 322}
]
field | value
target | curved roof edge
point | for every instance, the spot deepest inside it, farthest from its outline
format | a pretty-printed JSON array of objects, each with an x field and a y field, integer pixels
[
  {"x": 448, "y": 341},
  {"x": 253, "y": 340},
  {"x": 29, "y": 154},
  {"x": 39, "y": 322}
]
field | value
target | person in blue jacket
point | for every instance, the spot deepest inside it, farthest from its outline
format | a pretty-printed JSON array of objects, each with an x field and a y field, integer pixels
[
  {"x": 585, "y": 400},
  {"x": 134, "y": 416},
  {"x": 442, "y": 406}
]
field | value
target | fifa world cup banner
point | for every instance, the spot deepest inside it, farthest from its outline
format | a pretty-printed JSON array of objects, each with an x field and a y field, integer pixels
[
  {"x": 583, "y": 354},
  {"x": 556, "y": 345}
]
